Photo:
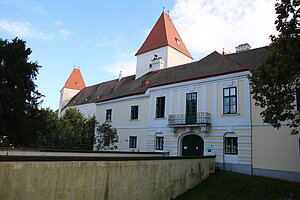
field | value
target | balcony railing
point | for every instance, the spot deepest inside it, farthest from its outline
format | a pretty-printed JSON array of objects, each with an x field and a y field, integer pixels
[{"x": 201, "y": 119}]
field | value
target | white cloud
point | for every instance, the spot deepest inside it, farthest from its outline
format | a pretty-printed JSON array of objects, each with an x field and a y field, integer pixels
[
  {"x": 22, "y": 29},
  {"x": 58, "y": 23},
  {"x": 64, "y": 33},
  {"x": 125, "y": 62},
  {"x": 206, "y": 25}
]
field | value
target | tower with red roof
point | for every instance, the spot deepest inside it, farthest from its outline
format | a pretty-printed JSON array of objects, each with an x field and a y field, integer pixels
[
  {"x": 162, "y": 48},
  {"x": 74, "y": 84}
]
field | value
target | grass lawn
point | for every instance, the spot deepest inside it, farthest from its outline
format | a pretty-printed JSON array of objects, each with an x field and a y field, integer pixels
[{"x": 226, "y": 185}]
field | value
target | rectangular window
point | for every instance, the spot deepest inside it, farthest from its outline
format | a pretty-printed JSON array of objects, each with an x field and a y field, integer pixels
[
  {"x": 160, "y": 107},
  {"x": 134, "y": 112},
  {"x": 106, "y": 140},
  {"x": 299, "y": 147},
  {"x": 298, "y": 98},
  {"x": 132, "y": 141},
  {"x": 231, "y": 145},
  {"x": 159, "y": 144},
  {"x": 108, "y": 115},
  {"x": 229, "y": 100}
]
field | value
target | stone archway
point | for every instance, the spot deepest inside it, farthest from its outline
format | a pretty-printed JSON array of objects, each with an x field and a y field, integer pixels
[{"x": 192, "y": 145}]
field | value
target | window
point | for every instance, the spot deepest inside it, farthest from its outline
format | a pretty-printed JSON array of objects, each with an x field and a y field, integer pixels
[
  {"x": 132, "y": 141},
  {"x": 231, "y": 145},
  {"x": 160, "y": 107},
  {"x": 229, "y": 100},
  {"x": 106, "y": 140},
  {"x": 159, "y": 144},
  {"x": 134, "y": 112},
  {"x": 108, "y": 115},
  {"x": 298, "y": 98},
  {"x": 299, "y": 147}
]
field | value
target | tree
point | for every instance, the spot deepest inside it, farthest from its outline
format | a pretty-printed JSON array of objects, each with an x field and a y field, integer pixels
[
  {"x": 72, "y": 131},
  {"x": 275, "y": 81},
  {"x": 19, "y": 97},
  {"x": 106, "y": 137}
]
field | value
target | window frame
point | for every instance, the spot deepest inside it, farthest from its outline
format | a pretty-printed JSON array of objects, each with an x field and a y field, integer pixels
[
  {"x": 107, "y": 117},
  {"x": 233, "y": 148},
  {"x": 135, "y": 142},
  {"x": 230, "y": 104},
  {"x": 131, "y": 112},
  {"x": 159, "y": 143},
  {"x": 298, "y": 145},
  {"x": 160, "y": 108},
  {"x": 297, "y": 98}
]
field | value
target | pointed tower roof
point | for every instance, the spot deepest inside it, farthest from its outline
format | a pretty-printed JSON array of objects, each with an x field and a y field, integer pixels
[
  {"x": 75, "y": 80},
  {"x": 163, "y": 34}
]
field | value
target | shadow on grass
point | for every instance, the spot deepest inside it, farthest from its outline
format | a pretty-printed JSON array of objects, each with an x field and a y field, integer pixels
[{"x": 226, "y": 185}]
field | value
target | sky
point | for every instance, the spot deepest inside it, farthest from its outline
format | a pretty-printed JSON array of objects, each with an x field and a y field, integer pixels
[{"x": 101, "y": 37}]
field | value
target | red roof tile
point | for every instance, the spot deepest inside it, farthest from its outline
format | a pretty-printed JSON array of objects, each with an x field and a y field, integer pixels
[
  {"x": 75, "y": 80},
  {"x": 163, "y": 34}
]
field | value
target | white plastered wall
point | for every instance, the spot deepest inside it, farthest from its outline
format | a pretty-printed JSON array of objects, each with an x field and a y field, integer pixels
[
  {"x": 170, "y": 56},
  {"x": 209, "y": 99},
  {"x": 66, "y": 95},
  {"x": 274, "y": 149},
  {"x": 176, "y": 58},
  {"x": 121, "y": 113},
  {"x": 88, "y": 109}
]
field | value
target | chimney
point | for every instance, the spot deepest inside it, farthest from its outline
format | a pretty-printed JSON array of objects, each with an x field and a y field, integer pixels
[
  {"x": 242, "y": 47},
  {"x": 120, "y": 75}
]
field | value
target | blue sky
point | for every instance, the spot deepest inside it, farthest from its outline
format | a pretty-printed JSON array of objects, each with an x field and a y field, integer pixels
[{"x": 101, "y": 37}]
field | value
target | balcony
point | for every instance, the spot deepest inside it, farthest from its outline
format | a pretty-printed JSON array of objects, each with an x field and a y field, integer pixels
[{"x": 182, "y": 120}]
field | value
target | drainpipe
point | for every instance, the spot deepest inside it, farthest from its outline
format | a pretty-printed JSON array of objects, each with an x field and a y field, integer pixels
[
  {"x": 251, "y": 129},
  {"x": 224, "y": 151}
]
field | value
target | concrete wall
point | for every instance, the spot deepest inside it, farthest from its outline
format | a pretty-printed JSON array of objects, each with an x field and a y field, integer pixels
[{"x": 135, "y": 179}]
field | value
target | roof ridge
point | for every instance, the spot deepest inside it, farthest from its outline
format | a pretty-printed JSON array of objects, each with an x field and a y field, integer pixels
[
  {"x": 241, "y": 52},
  {"x": 233, "y": 61}
]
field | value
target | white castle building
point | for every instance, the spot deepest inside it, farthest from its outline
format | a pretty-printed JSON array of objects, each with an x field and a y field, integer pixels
[{"x": 189, "y": 108}]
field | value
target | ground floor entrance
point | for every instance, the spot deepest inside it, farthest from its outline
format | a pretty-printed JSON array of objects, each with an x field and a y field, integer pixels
[{"x": 192, "y": 145}]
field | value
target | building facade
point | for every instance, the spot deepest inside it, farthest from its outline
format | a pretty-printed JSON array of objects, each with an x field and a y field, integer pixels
[{"x": 191, "y": 108}]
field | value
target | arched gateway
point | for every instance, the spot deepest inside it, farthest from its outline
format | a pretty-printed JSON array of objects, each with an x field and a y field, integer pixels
[{"x": 192, "y": 145}]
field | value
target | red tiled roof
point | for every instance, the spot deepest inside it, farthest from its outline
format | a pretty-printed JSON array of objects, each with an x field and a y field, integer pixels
[
  {"x": 75, "y": 80},
  {"x": 163, "y": 34}
]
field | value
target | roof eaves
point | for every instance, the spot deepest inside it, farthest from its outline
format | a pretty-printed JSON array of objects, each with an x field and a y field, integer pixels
[{"x": 201, "y": 77}]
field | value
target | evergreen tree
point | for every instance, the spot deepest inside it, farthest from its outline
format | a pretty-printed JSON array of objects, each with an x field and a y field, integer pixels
[{"x": 19, "y": 97}]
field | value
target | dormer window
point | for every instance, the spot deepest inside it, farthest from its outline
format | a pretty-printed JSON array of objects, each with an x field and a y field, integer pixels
[{"x": 177, "y": 41}]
